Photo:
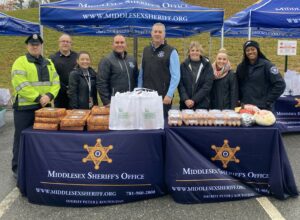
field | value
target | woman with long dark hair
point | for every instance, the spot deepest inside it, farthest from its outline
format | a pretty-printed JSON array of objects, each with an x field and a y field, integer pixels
[
  {"x": 82, "y": 84},
  {"x": 260, "y": 82}
]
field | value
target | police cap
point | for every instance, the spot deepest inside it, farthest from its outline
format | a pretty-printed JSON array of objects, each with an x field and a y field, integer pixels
[{"x": 34, "y": 39}]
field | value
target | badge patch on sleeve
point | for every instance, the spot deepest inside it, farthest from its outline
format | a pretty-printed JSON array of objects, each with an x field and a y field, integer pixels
[{"x": 274, "y": 70}]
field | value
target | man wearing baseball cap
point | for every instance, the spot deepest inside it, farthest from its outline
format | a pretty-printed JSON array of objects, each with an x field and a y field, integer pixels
[{"x": 35, "y": 83}]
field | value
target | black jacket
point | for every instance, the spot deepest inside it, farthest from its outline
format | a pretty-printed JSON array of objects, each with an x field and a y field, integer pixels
[
  {"x": 199, "y": 92},
  {"x": 224, "y": 93},
  {"x": 63, "y": 65},
  {"x": 116, "y": 74},
  {"x": 78, "y": 91},
  {"x": 261, "y": 85}
]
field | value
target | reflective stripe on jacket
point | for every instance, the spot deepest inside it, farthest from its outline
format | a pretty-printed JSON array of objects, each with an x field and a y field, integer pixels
[{"x": 30, "y": 80}]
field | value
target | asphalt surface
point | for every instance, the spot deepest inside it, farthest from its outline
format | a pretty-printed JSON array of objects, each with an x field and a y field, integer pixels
[{"x": 159, "y": 208}]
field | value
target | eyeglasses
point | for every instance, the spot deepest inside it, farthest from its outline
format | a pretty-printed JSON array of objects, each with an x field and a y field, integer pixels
[{"x": 65, "y": 42}]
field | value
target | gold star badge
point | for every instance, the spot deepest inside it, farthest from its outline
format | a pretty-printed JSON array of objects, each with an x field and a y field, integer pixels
[
  {"x": 298, "y": 103},
  {"x": 97, "y": 154},
  {"x": 225, "y": 153}
]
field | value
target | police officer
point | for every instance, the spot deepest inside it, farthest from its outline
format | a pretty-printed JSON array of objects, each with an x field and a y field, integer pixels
[
  {"x": 35, "y": 83},
  {"x": 64, "y": 61},
  {"x": 260, "y": 82}
]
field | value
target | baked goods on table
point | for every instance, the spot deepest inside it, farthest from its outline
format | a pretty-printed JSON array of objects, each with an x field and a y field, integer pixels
[
  {"x": 264, "y": 118},
  {"x": 99, "y": 119},
  {"x": 48, "y": 118},
  {"x": 100, "y": 110}
]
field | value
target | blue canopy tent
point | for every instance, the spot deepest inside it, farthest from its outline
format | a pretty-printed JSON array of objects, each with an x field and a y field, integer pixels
[
  {"x": 10, "y": 26},
  {"x": 129, "y": 17},
  {"x": 266, "y": 18}
]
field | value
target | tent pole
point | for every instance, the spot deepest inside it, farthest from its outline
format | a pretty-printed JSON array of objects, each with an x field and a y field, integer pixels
[
  {"x": 249, "y": 33},
  {"x": 41, "y": 29},
  {"x": 135, "y": 48},
  {"x": 222, "y": 37},
  {"x": 249, "y": 26},
  {"x": 209, "y": 51},
  {"x": 42, "y": 35}
]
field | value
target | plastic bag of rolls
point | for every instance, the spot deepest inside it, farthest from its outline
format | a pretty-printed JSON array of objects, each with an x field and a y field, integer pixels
[
  {"x": 75, "y": 120},
  {"x": 48, "y": 118},
  {"x": 99, "y": 119}
]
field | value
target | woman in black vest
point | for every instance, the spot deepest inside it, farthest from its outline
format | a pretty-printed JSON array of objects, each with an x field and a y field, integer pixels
[
  {"x": 224, "y": 93},
  {"x": 196, "y": 79},
  {"x": 82, "y": 84}
]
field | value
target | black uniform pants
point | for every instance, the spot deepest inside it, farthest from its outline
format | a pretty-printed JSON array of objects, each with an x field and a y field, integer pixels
[
  {"x": 62, "y": 99},
  {"x": 22, "y": 119}
]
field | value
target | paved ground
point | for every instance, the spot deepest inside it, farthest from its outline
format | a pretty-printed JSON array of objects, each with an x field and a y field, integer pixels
[{"x": 14, "y": 206}]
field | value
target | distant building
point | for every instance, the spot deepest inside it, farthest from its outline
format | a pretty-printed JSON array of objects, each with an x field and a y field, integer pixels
[{"x": 10, "y": 5}]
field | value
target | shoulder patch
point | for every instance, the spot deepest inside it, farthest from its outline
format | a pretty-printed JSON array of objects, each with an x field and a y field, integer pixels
[{"x": 274, "y": 70}]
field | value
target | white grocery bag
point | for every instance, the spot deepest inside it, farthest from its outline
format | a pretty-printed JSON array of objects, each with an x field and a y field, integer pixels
[
  {"x": 123, "y": 107},
  {"x": 140, "y": 109},
  {"x": 150, "y": 110},
  {"x": 4, "y": 96}
]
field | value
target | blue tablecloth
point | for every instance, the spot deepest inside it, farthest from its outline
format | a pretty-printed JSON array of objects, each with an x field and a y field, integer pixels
[
  {"x": 287, "y": 112},
  {"x": 210, "y": 164},
  {"x": 91, "y": 168}
]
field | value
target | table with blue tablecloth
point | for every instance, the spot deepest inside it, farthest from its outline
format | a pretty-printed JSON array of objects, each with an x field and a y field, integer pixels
[
  {"x": 287, "y": 112},
  {"x": 71, "y": 168},
  {"x": 210, "y": 164}
]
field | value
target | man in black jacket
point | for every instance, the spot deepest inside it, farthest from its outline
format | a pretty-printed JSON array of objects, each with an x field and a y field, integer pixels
[
  {"x": 117, "y": 72},
  {"x": 64, "y": 61}
]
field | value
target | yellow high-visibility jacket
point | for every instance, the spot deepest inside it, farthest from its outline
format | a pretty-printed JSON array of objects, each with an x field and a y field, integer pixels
[{"x": 32, "y": 78}]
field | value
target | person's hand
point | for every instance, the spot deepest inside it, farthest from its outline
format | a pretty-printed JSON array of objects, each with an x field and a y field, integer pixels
[
  {"x": 44, "y": 100},
  {"x": 189, "y": 103},
  {"x": 167, "y": 100}
]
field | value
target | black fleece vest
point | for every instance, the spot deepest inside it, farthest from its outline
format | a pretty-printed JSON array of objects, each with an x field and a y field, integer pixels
[{"x": 156, "y": 73}]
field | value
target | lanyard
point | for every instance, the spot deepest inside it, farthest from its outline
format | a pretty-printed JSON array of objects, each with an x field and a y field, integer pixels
[{"x": 88, "y": 81}]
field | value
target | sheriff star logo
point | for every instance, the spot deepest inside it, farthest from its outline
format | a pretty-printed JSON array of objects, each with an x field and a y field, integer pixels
[
  {"x": 225, "y": 153},
  {"x": 97, "y": 154},
  {"x": 298, "y": 103}
]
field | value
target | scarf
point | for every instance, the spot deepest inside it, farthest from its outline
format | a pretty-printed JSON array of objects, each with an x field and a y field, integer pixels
[{"x": 220, "y": 73}]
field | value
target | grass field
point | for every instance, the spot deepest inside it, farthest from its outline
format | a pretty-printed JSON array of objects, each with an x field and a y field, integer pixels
[{"x": 13, "y": 47}]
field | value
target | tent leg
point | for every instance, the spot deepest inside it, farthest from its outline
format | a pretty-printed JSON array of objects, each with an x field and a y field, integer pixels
[
  {"x": 42, "y": 35},
  {"x": 209, "y": 51},
  {"x": 286, "y": 63},
  {"x": 135, "y": 48},
  {"x": 222, "y": 37}
]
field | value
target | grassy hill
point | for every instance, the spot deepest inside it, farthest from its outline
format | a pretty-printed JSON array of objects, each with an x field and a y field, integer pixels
[{"x": 12, "y": 47}]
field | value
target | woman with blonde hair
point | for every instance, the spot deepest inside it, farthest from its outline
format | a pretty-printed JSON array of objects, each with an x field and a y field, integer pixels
[
  {"x": 224, "y": 93},
  {"x": 196, "y": 79}
]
